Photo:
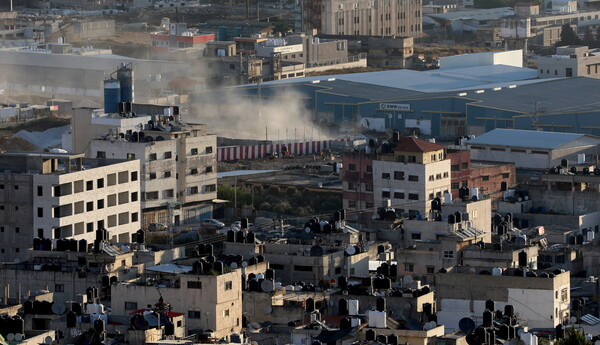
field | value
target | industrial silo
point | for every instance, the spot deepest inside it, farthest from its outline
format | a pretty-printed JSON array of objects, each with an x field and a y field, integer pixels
[
  {"x": 125, "y": 76},
  {"x": 112, "y": 95}
]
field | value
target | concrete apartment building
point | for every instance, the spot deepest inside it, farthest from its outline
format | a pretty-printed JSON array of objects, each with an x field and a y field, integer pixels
[
  {"x": 365, "y": 17},
  {"x": 209, "y": 301},
  {"x": 178, "y": 41},
  {"x": 64, "y": 196},
  {"x": 311, "y": 264},
  {"x": 543, "y": 302},
  {"x": 413, "y": 174},
  {"x": 569, "y": 61}
]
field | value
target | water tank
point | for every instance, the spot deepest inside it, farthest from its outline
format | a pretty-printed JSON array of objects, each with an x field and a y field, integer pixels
[
  {"x": 427, "y": 309},
  {"x": 140, "y": 236},
  {"x": 482, "y": 334},
  {"x": 496, "y": 271},
  {"x": 370, "y": 335},
  {"x": 392, "y": 339},
  {"x": 125, "y": 77},
  {"x": 208, "y": 249},
  {"x": 345, "y": 323},
  {"x": 71, "y": 319},
  {"x": 169, "y": 329},
  {"x": 240, "y": 237},
  {"x": 310, "y": 305},
  {"x": 230, "y": 236},
  {"x": 488, "y": 317},
  {"x": 218, "y": 267},
  {"x": 250, "y": 237},
  {"x": 490, "y": 305},
  {"x": 342, "y": 282},
  {"x": 99, "y": 326},
  {"x": 509, "y": 310},
  {"x": 270, "y": 274},
  {"x": 112, "y": 95},
  {"x": 458, "y": 216},
  {"x": 37, "y": 243},
  {"x": 353, "y": 307},
  {"x": 382, "y": 339},
  {"x": 28, "y": 307},
  {"x": 522, "y": 259},
  {"x": 82, "y": 246},
  {"x": 381, "y": 305},
  {"x": 343, "y": 306}
]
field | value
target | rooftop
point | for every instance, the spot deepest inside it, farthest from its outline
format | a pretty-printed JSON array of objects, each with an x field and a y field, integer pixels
[
  {"x": 525, "y": 138},
  {"x": 411, "y": 144}
]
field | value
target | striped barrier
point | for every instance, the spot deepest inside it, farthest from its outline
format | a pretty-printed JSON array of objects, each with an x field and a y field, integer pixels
[{"x": 230, "y": 153}]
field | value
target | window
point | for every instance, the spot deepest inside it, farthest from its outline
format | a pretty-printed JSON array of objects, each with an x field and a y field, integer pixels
[
  {"x": 228, "y": 285},
  {"x": 209, "y": 149},
  {"x": 134, "y": 176},
  {"x": 17, "y": 229},
  {"x": 100, "y": 183},
  {"x": 89, "y": 228},
  {"x": 194, "y": 285},
  {"x": 101, "y": 154},
  {"x": 455, "y": 167},
  {"x": 430, "y": 269},
  {"x": 385, "y": 176},
  {"x": 454, "y": 185},
  {"x": 194, "y": 171},
  {"x": 485, "y": 178},
  {"x": 351, "y": 167},
  {"x": 152, "y": 157},
  {"x": 59, "y": 288},
  {"x": 369, "y": 168},
  {"x": 194, "y": 314},
  {"x": 134, "y": 217},
  {"x": 168, "y": 155},
  {"x": 431, "y": 178},
  {"x": 399, "y": 175},
  {"x": 352, "y": 203},
  {"x": 303, "y": 268},
  {"x": 226, "y": 313},
  {"x": 134, "y": 196},
  {"x": 413, "y": 178},
  {"x": 40, "y": 212},
  {"x": 505, "y": 175},
  {"x": 169, "y": 193},
  {"x": 412, "y": 159},
  {"x": 448, "y": 254},
  {"x": 352, "y": 186},
  {"x": 209, "y": 169},
  {"x": 415, "y": 236},
  {"x": 409, "y": 267},
  {"x": 193, "y": 190},
  {"x": 89, "y": 185},
  {"x": 152, "y": 176},
  {"x": 385, "y": 194},
  {"x": 564, "y": 295},
  {"x": 368, "y": 187},
  {"x": 130, "y": 156},
  {"x": 131, "y": 306},
  {"x": 194, "y": 151},
  {"x": 40, "y": 191},
  {"x": 151, "y": 196},
  {"x": 446, "y": 174},
  {"x": 210, "y": 188},
  {"x": 89, "y": 206},
  {"x": 100, "y": 204},
  {"x": 413, "y": 196},
  {"x": 123, "y": 198}
]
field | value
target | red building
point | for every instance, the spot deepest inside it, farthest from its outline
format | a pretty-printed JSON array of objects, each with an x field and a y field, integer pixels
[{"x": 167, "y": 44}]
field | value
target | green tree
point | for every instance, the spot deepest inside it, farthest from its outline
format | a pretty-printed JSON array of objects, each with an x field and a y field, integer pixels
[
  {"x": 281, "y": 28},
  {"x": 568, "y": 36},
  {"x": 573, "y": 336},
  {"x": 588, "y": 37}
]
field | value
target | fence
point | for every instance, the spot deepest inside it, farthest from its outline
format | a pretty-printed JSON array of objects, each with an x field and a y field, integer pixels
[{"x": 229, "y": 153}]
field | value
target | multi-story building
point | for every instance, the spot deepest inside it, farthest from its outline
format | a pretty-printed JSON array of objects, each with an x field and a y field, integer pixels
[
  {"x": 569, "y": 61},
  {"x": 412, "y": 174},
  {"x": 365, "y": 17},
  {"x": 169, "y": 44},
  {"x": 176, "y": 160},
  {"x": 357, "y": 183},
  {"x": 48, "y": 195},
  {"x": 543, "y": 302}
]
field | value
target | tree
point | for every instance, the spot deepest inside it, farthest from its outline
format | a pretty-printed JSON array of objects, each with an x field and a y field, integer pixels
[
  {"x": 588, "y": 37},
  {"x": 573, "y": 337},
  {"x": 568, "y": 36},
  {"x": 281, "y": 28}
]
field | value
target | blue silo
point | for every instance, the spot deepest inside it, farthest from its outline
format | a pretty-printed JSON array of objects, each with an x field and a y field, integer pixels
[
  {"x": 125, "y": 76},
  {"x": 112, "y": 95}
]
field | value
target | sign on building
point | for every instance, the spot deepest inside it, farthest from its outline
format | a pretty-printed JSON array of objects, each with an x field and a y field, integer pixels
[{"x": 394, "y": 106}]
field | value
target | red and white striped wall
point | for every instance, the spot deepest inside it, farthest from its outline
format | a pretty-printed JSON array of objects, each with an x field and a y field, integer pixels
[{"x": 230, "y": 153}]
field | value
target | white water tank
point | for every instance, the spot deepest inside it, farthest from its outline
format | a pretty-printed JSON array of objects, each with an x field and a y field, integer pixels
[
  {"x": 496, "y": 271},
  {"x": 580, "y": 158},
  {"x": 447, "y": 198},
  {"x": 377, "y": 319},
  {"x": 355, "y": 322},
  {"x": 353, "y": 307},
  {"x": 475, "y": 192}
]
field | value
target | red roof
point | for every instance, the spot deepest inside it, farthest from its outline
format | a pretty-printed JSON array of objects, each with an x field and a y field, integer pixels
[{"x": 411, "y": 144}]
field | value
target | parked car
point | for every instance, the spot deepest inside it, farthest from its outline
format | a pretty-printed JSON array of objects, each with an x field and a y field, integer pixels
[
  {"x": 212, "y": 223},
  {"x": 157, "y": 227}
]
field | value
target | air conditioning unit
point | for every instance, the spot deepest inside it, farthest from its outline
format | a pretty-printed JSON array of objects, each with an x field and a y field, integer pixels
[{"x": 340, "y": 6}]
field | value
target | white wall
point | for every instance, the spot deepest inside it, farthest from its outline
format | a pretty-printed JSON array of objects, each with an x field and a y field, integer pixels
[{"x": 509, "y": 58}]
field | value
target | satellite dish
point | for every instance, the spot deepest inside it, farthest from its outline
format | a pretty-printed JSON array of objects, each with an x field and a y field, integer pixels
[
  {"x": 307, "y": 229},
  {"x": 58, "y": 308},
  {"x": 233, "y": 265},
  {"x": 350, "y": 250},
  {"x": 407, "y": 280},
  {"x": 427, "y": 326},
  {"x": 466, "y": 325},
  {"x": 268, "y": 309},
  {"x": 140, "y": 323},
  {"x": 267, "y": 285},
  {"x": 572, "y": 319},
  {"x": 18, "y": 337},
  {"x": 10, "y": 337},
  {"x": 414, "y": 325},
  {"x": 434, "y": 324},
  {"x": 48, "y": 340},
  {"x": 597, "y": 342},
  {"x": 244, "y": 264},
  {"x": 316, "y": 251}
]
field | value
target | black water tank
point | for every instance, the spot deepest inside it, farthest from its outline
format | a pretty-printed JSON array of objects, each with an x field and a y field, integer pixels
[
  {"x": 37, "y": 243},
  {"x": 218, "y": 266},
  {"x": 381, "y": 304},
  {"x": 76, "y": 308},
  {"x": 169, "y": 329},
  {"x": 509, "y": 310},
  {"x": 140, "y": 236},
  {"x": 503, "y": 332},
  {"x": 71, "y": 319},
  {"x": 260, "y": 258},
  {"x": 343, "y": 307},
  {"x": 250, "y": 238},
  {"x": 197, "y": 268},
  {"x": 427, "y": 309},
  {"x": 230, "y": 236},
  {"x": 73, "y": 245},
  {"x": 345, "y": 323},
  {"x": 240, "y": 237},
  {"x": 482, "y": 334},
  {"x": 451, "y": 219},
  {"x": 82, "y": 246},
  {"x": 382, "y": 339},
  {"x": 370, "y": 335},
  {"x": 244, "y": 223},
  {"x": 201, "y": 249},
  {"x": 559, "y": 332},
  {"x": 522, "y": 259},
  {"x": 490, "y": 305},
  {"x": 392, "y": 339},
  {"x": 380, "y": 249},
  {"x": 99, "y": 326},
  {"x": 491, "y": 336},
  {"x": 310, "y": 305},
  {"x": 270, "y": 274},
  {"x": 342, "y": 282},
  {"x": 28, "y": 307},
  {"x": 488, "y": 318}
]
